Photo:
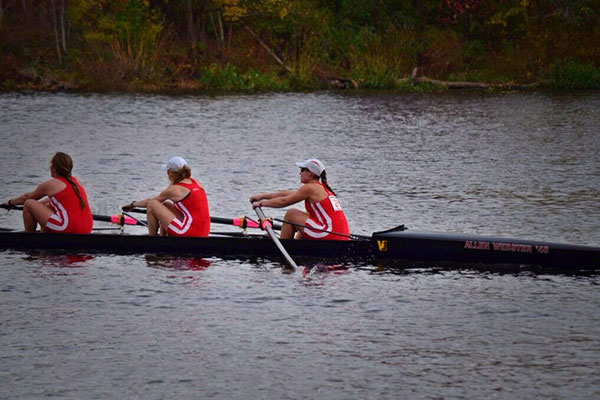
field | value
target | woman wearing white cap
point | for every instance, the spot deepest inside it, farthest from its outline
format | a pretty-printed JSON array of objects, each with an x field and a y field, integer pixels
[
  {"x": 179, "y": 210},
  {"x": 324, "y": 217}
]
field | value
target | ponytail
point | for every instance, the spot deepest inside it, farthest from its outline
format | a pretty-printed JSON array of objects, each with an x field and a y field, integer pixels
[
  {"x": 76, "y": 190},
  {"x": 63, "y": 165},
  {"x": 324, "y": 181}
]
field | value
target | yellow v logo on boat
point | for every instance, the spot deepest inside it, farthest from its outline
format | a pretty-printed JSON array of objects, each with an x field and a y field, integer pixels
[{"x": 382, "y": 244}]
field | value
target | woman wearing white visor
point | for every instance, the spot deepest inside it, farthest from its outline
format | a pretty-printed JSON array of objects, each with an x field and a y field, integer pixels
[{"x": 324, "y": 218}]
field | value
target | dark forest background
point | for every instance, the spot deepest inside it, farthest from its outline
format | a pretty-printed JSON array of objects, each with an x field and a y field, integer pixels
[{"x": 162, "y": 45}]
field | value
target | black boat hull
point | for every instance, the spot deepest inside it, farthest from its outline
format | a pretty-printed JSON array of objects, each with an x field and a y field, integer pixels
[
  {"x": 433, "y": 247},
  {"x": 390, "y": 246},
  {"x": 220, "y": 246}
]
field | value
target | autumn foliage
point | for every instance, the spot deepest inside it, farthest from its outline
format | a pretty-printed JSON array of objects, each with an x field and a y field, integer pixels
[{"x": 293, "y": 44}]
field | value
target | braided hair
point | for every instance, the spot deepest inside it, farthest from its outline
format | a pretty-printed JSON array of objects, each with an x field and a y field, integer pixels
[
  {"x": 63, "y": 165},
  {"x": 323, "y": 178}
]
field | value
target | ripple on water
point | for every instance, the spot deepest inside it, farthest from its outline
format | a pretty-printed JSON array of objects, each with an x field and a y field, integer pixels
[{"x": 114, "y": 326}]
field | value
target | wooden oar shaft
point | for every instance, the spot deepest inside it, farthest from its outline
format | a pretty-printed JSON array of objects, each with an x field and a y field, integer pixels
[{"x": 266, "y": 225}]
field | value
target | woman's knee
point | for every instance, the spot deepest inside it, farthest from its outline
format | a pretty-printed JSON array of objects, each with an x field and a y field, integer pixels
[
  {"x": 159, "y": 211},
  {"x": 29, "y": 204},
  {"x": 296, "y": 219},
  {"x": 292, "y": 214},
  {"x": 37, "y": 209},
  {"x": 35, "y": 212},
  {"x": 153, "y": 205}
]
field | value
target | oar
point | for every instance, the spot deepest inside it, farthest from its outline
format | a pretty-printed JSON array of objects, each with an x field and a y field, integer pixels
[
  {"x": 139, "y": 221},
  {"x": 113, "y": 219},
  {"x": 242, "y": 222},
  {"x": 268, "y": 226},
  {"x": 351, "y": 236},
  {"x": 117, "y": 219}
]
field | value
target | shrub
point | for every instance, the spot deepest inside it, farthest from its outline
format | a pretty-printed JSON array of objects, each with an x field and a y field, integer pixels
[{"x": 572, "y": 74}]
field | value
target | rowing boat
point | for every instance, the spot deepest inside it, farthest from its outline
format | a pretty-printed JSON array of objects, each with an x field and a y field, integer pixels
[{"x": 398, "y": 247}]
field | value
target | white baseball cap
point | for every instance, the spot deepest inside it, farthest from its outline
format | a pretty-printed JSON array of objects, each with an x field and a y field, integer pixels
[
  {"x": 313, "y": 165},
  {"x": 174, "y": 164}
]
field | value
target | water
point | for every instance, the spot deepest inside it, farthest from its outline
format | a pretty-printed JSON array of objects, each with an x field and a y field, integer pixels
[{"x": 152, "y": 327}]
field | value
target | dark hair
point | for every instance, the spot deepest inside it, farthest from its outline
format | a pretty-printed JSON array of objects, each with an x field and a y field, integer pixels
[
  {"x": 63, "y": 165},
  {"x": 323, "y": 178},
  {"x": 183, "y": 173}
]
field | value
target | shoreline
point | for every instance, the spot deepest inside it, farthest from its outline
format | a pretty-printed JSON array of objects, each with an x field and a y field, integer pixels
[{"x": 402, "y": 85}]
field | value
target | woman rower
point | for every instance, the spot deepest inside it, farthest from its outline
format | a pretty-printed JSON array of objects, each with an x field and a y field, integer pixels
[
  {"x": 179, "y": 210},
  {"x": 65, "y": 209},
  {"x": 324, "y": 219}
]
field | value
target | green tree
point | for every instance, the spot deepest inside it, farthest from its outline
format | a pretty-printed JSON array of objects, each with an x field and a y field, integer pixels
[{"x": 126, "y": 31}]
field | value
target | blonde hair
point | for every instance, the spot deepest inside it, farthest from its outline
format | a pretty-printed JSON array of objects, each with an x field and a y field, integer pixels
[{"x": 178, "y": 176}]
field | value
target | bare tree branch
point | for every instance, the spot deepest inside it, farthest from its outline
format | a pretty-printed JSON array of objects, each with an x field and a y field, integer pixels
[
  {"x": 1, "y": 12},
  {"x": 55, "y": 26},
  {"x": 62, "y": 26},
  {"x": 279, "y": 61},
  {"x": 190, "y": 23}
]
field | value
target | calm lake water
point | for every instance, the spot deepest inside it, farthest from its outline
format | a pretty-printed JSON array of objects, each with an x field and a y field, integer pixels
[{"x": 83, "y": 326}]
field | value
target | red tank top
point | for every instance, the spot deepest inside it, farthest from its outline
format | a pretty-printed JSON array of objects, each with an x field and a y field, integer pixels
[
  {"x": 68, "y": 215},
  {"x": 194, "y": 207},
  {"x": 326, "y": 215}
]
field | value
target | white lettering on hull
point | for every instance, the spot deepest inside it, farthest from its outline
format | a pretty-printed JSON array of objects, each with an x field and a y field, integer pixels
[{"x": 507, "y": 247}]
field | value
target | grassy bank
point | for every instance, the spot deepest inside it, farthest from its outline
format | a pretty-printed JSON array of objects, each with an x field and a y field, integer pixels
[{"x": 563, "y": 75}]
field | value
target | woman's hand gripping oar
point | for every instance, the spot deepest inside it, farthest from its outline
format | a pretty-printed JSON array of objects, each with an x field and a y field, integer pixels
[{"x": 268, "y": 226}]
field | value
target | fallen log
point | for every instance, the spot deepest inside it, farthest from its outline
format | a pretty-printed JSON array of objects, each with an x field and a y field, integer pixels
[
  {"x": 476, "y": 85},
  {"x": 415, "y": 80}
]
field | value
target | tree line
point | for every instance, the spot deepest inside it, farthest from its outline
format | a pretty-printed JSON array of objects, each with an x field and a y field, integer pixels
[{"x": 296, "y": 44}]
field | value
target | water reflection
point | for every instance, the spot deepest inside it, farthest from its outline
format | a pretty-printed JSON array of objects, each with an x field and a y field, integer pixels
[
  {"x": 176, "y": 262},
  {"x": 337, "y": 269},
  {"x": 59, "y": 260},
  {"x": 520, "y": 165}
]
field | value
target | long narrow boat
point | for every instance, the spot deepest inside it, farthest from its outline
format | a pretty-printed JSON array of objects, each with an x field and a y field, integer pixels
[{"x": 396, "y": 247}]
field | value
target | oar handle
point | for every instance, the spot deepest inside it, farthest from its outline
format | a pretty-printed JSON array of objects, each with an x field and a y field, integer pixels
[
  {"x": 135, "y": 210},
  {"x": 11, "y": 207},
  {"x": 267, "y": 225}
]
